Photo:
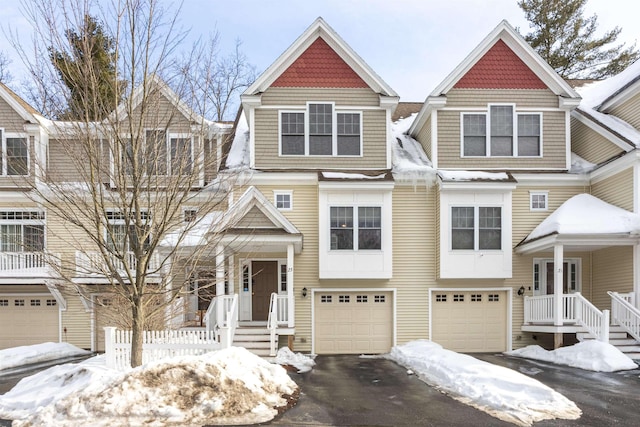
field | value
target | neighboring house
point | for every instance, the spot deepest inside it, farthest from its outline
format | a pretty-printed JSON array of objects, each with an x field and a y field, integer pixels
[{"x": 498, "y": 213}]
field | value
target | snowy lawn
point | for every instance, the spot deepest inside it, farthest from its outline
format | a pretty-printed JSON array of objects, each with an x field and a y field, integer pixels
[
  {"x": 30, "y": 354},
  {"x": 231, "y": 386},
  {"x": 498, "y": 391},
  {"x": 589, "y": 355}
]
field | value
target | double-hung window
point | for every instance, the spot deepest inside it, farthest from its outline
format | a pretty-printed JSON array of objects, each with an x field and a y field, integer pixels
[
  {"x": 159, "y": 153},
  {"x": 476, "y": 228},
  {"x": 15, "y": 154},
  {"x": 21, "y": 231},
  {"x": 363, "y": 234},
  {"x": 501, "y": 132},
  {"x": 320, "y": 130},
  {"x": 123, "y": 235},
  {"x": 181, "y": 154}
]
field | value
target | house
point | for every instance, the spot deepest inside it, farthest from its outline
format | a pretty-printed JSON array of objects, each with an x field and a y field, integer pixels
[{"x": 344, "y": 230}]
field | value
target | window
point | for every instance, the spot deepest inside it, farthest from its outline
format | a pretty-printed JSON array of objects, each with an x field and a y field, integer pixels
[
  {"x": 476, "y": 297},
  {"x": 283, "y": 277},
  {"x": 18, "y": 303},
  {"x": 155, "y": 152},
  {"x": 181, "y": 155},
  {"x": 325, "y": 298},
  {"x": 283, "y": 200},
  {"x": 494, "y": 298},
  {"x": 458, "y": 297},
  {"x": 538, "y": 200},
  {"x": 369, "y": 228},
  {"x": 160, "y": 153},
  {"x": 245, "y": 278},
  {"x": 21, "y": 231},
  {"x": 441, "y": 298},
  {"x": 321, "y": 130},
  {"x": 122, "y": 233},
  {"x": 476, "y": 228},
  {"x": 35, "y": 303},
  {"x": 501, "y": 132},
  {"x": 343, "y": 298},
  {"x": 15, "y": 154},
  {"x": 379, "y": 298},
  {"x": 51, "y": 303},
  {"x": 189, "y": 215},
  {"x": 361, "y": 298},
  {"x": 544, "y": 276},
  {"x": 4, "y": 302}
]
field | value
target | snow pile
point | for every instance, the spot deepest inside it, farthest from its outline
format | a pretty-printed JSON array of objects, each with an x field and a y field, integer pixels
[
  {"x": 299, "y": 361},
  {"x": 343, "y": 175},
  {"x": 596, "y": 93},
  {"x": 473, "y": 176},
  {"x": 231, "y": 386},
  {"x": 408, "y": 156},
  {"x": 580, "y": 165},
  {"x": 238, "y": 156},
  {"x": 27, "y": 355},
  {"x": 589, "y": 355},
  {"x": 498, "y": 391}
]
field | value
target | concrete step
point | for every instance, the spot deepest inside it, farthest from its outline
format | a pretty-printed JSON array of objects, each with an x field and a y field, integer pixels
[
  {"x": 623, "y": 341},
  {"x": 247, "y": 337},
  {"x": 252, "y": 344},
  {"x": 612, "y": 335},
  {"x": 252, "y": 331},
  {"x": 628, "y": 348},
  {"x": 634, "y": 356}
]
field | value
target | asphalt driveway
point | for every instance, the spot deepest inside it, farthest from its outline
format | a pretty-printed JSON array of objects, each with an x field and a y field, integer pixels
[{"x": 353, "y": 391}]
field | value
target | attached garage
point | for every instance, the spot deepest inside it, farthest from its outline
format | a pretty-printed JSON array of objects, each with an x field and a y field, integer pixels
[
  {"x": 28, "y": 319},
  {"x": 471, "y": 321},
  {"x": 353, "y": 322}
]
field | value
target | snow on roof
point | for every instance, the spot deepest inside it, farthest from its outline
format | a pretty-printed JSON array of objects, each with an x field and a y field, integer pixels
[
  {"x": 408, "y": 157},
  {"x": 586, "y": 214},
  {"x": 580, "y": 165},
  {"x": 473, "y": 176},
  {"x": 615, "y": 124},
  {"x": 192, "y": 234},
  {"x": 345, "y": 175},
  {"x": 596, "y": 93},
  {"x": 238, "y": 156}
]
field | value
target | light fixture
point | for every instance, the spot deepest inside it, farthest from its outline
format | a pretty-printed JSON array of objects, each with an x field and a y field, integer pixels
[
  {"x": 521, "y": 291},
  {"x": 304, "y": 292}
]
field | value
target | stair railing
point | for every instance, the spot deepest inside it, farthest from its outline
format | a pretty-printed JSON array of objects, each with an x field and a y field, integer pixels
[
  {"x": 625, "y": 314},
  {"x": 593, "y": 320},
  {"x": 228, "y": 329},
  {"x": 272, "y": 323}
]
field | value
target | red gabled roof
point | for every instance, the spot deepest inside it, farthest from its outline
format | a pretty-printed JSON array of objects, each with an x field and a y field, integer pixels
[
  {"x": 500, "y": 68},
  {"x": 319, "y": 66}
]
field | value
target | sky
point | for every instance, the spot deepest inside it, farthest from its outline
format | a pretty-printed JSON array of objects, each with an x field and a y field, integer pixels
[{"x": 412, "y": 44}]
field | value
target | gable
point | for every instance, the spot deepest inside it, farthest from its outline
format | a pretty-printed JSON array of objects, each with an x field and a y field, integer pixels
[
  {"x": 319, "y": 66},
  {"x": 500, "y": 68},
  {"x": 255, "y": 218}
]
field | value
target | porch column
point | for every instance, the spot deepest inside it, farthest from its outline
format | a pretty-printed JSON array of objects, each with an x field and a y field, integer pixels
[
  {"x": 290, "y": 295},
  {"x": 220, "y": 284},
  {"x": 558, "y": 260},
  {"x": 232, "y": 276},
  {"x": 636, "y": 274}
]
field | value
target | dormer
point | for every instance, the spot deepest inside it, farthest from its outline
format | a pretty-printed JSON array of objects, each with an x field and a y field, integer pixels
[
  {"x": 319, "y": 106},
  {"x": 502, "y": 108}
]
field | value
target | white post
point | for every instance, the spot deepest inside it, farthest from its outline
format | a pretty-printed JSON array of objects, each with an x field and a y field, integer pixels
[
  {"x": 109, "y": 346},
  {"x": 220, "y": 284},
  {"x": 290, "y": 294},
  {"x": 232, "y": 275},
  {"x": 636, "y": 275},
  {"x": 558, "y": 261}
]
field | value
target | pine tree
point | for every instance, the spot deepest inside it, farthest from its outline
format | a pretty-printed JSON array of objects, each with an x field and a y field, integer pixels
[
  {"x": 88, "y": 69},
  {"x": 567, "y": 40}
]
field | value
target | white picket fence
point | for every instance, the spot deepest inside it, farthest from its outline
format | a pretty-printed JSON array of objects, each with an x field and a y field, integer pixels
[{"x": 156, "y": 345}]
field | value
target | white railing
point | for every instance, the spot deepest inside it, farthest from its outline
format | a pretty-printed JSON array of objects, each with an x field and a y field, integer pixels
[
  {"x": 210, "y": 316},
  {"x": 625, "y": 314},
  {"x": 156, "y": 345},
  {"x": 16, "y": 264},
  {"x": 230, "y": 322},
  {"x": 94, "y": 263},
  {"x": 575, "y": 310},
  {"x": 278, "y": 315}
]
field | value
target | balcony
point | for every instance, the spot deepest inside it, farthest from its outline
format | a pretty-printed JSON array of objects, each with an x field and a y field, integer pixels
[
  {"x": 27, "y": 264},
  {"x": 93, "y": 265}
]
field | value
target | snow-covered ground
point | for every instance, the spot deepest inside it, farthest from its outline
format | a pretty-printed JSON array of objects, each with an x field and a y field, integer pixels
[
  {"x": 27, "y": 355},
  {"x": 589, "y": 355},
  {"x": 301, "y": 362},
  {"x": 501, "y": 392},
  {"x": 231, "y": 386}
]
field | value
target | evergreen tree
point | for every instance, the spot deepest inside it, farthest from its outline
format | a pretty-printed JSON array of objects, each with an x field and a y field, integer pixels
[
  {"x": 88, "y": 69},
  {"x": 567, "y": 40}
]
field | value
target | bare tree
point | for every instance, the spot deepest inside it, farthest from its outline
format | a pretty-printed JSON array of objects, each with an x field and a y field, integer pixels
[
  {"x": 115, "y": 198},
  {"x": 5, "y": 63}
]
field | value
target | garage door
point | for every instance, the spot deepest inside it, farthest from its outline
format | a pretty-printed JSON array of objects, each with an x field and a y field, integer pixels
[
  {"x": 27, "y": 320},
  {"x": 353, "y": 322},
  {"x": 469, "y": 321}
]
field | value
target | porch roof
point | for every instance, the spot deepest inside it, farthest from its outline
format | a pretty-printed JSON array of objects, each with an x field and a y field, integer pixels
[{"x": 583, "y": 223}]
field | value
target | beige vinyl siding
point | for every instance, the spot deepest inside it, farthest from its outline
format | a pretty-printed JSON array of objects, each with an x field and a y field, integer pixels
[
  {"x": 77, "y": 320},
  {"x": 424, "y": 137},
  {"x": 10, "y": 120},
  {"x": 374, "y": 129},
  {"x": 617, "y": 189},
  {"x": 629, "y": 111},
  {"x": 590, "y": 145},
  {"x": 255, "y": 219},
  {"x": 466, "y": 100},
  {"x": 612, "y": 271},
  {"x": 164, "y": 114}
]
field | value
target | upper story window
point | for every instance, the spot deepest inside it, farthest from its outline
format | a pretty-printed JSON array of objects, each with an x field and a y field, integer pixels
[
  {"x": 21, "y": 231},
  {"x": 321, "y": 130},
  {"x": 363, "y": 234},
  {"x": 502, "y": 132},
  {"x": 122, "y": 233},
  {"x": 476, "y": 228},
  {"x": 283, "y": 200},
  {"x": 15, "y": 154},
  {"x": 189, "y": 214},
  {"x": 162, "y": 153},
  {"x": 538, "y": 200}
]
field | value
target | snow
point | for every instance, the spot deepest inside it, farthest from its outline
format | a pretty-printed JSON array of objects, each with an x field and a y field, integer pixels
[
  {"x": 193, "y": 234},
  {"x": 343, "y": 175},
  {"x": 301, "y": 362},
  {"x": 231, "y": 386},
  {"x": 30, "y": 354},
  {"x": 586, "y": 214},
  {"x": 616, "y": 124},
  {"x": 596, "y": 93},
  {"x": 473, "y": 176},
  {"x": 238, "y": 156},
  {"x": 589, "y": 355},
  {"x": 501, "y": 392},
  {"x": 408, "y": 157},
  {"x": 580, "y": 165}
]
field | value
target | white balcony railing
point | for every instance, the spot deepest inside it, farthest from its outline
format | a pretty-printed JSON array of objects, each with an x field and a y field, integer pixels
[
  {"x": 27, "y": 264},
  {"x": 94, "y": 264}
]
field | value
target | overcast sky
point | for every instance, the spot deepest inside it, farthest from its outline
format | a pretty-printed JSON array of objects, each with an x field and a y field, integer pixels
[{"x": 411, "y": 44}]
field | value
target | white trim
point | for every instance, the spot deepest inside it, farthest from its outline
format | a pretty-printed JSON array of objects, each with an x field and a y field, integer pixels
[
  {"x": 544, "y": 261},
  {"x": 567, "y": 140},
  {"x": 614, "y": 167},
  {"x": 434, "y": 139},
  {"x": 3, "y": 146},
  {"x": 619, "y": 98},
  {"x": 283, "y": 178},
  {"x": 551, "y": 180},
  {"x": 374, "y": 185},
  {"x": 636, "y": 187},
  {"x": 599, "y": 129},
  {"x": 252, "y": 136},
  {"x": 508, "y": 290},
  {"x": 304, "y": 115},
  {"x": 277, "y": 193},
  {"x": 544, "y": 193},
  {"x": 313, "y": 313}
]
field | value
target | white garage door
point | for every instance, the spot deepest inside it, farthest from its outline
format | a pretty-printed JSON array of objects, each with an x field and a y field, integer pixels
[
  {"x": 27, "y": 320},
  {"x": 353, "y": 322},
  {"x": 470, "y": 321}
]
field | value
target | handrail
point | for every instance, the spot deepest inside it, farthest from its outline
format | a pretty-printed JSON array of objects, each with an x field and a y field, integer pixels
[
  {"x": 592, "y": 319},
  {"x": 272, "y": 322},
  {"x": 228, "y": 331},
  {"x": 210, "y": 315},
  {"x": 625, "y": 314}
]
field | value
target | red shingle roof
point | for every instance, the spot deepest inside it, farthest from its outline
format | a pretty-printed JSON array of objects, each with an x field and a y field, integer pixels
[
  {"x": 319, "y": 66},
  {"x": 500, "y": 68}
]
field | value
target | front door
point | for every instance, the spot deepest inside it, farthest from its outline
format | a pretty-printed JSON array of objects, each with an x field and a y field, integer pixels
[{"x": 264, "y": 283}]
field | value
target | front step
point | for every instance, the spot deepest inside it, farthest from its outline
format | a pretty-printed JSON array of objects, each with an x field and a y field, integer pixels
[
  {"x": 618, "y": 338},
  {"x": 255, "y": 338}
]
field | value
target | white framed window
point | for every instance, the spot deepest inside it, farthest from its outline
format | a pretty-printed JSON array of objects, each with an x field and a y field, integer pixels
[
  {"x": 363, "y": 234},
  {"x": 501, "y": 132},
  {"x": 15, "y": 154},
  {"x": 538, "y": 200},
  {"x": 476, "y": 228},
  {"x": 122, "y": 233},
  {"x": 544, "y": 276},
  {"x": 22, "y": 231},
  {"x": 181, "y": 150},
  {"x": 320, "y": 130},
  {"x": 162, "y": 153},
  {"x": 189, "y": 214},
  {"x": 283, "y": 199}
]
